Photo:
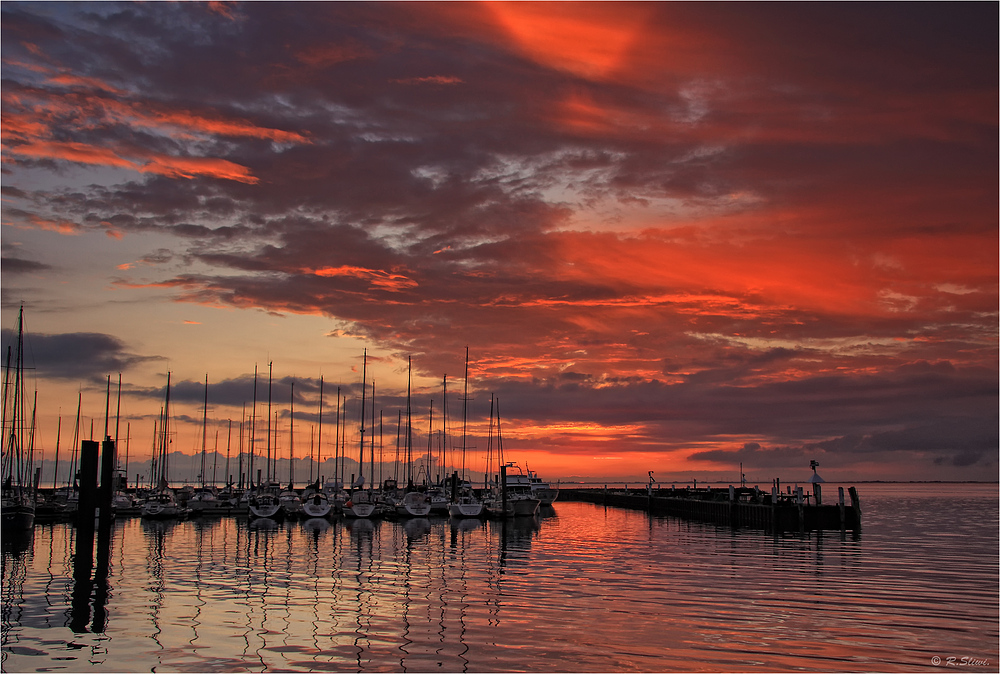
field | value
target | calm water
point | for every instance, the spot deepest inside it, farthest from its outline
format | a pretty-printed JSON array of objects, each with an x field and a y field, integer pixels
[{"x": 581, "y": 589}]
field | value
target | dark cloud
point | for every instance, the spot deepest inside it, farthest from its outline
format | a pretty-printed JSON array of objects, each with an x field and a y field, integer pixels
[
  {"x": 83, "y": 356},
  {"x": 14, "y": 265}
]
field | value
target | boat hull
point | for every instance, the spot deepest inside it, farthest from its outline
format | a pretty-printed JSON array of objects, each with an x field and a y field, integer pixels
[
  {"x": 317, "y": 505},
  {"x": 18, "y": 518},
  {"x": 473, "y": 509},
  {"x": 525, "y": 507}
]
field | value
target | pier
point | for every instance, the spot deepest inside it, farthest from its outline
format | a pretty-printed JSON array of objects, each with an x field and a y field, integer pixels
[{"x": 747, "y": 507}]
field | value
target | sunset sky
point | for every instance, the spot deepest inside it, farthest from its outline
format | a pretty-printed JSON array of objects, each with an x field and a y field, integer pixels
[{"x": 674, "y": 237}]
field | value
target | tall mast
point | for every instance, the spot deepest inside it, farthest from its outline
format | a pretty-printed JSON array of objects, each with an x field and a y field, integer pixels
[
  {"x": 319, "y": 435},
  {"x": 336, "y": 444},
  {"x": 204, "y": 433},
  {"x": 165, "y": 440},
  {"x": 128, "y": 436},
  {"x": 364, "y": 387},
  {"x": 409, "y": 425},
  {"x": 229, "y": 446},
  {"x": 55, "y": 473},
  {"x": 430, "y": 438},
  {"x": 253, "y": 428},
  {"x": 371, "y": 473},
  {"x": 291, "y": 437},
  {"x": 269, "y": 364},
  {"x": 444, "y": 426},
  {"x": 118, "y": 411},
  {"x": 465, "y": 409},
  {"x": 399, "y": 428}
]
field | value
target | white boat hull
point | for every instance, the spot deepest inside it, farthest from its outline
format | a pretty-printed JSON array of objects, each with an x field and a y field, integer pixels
[
  {"x": 414, "y": 505},
  {"x": 359, "y": 510},
  {"x": 317, "y": 505},
  {"x": 525, "y": 507},
  {"x": 472, "y": 509}
]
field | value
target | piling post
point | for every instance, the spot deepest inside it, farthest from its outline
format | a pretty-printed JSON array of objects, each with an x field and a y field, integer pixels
[
  {"x": 733, "y": 515},
  {"x": 88, "y": 484},
  {"x": 503, "y": 489},
  {"x": 106, "y": 491},
  {"x": 774, "y": 510},
  {"x": 840, "y": 499},
  {"x": 856, "y": 507},
  {"x": 818, "y": 493},
  {"x": 798, "y": 504}
]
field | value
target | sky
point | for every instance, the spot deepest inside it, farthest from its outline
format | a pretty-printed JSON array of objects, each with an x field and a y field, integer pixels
[{"x": 675, "y": 238}]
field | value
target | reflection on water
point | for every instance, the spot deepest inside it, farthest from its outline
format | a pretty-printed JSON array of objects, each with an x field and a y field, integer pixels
[{"x": 578, "y": 588}]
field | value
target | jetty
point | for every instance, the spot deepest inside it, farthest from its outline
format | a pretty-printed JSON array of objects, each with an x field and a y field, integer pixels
[{"x": 747, "y": 507}]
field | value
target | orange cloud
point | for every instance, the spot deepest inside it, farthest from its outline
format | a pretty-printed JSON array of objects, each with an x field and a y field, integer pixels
[
  {"x": 586, "y": 39},
  {"x": 433, "y": 79},
  {"x": 32, "y": 221},
  {"x": 142, "y": 161},
  {"x": 377, "y": 277}
]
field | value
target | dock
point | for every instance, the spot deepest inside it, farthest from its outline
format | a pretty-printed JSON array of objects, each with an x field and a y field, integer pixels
[{"x": 746, "y": 507}]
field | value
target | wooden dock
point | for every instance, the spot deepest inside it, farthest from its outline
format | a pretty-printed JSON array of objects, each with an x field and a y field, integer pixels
[{"x": 745, "y": 507}]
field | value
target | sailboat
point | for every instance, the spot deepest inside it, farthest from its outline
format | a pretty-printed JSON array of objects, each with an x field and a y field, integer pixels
[
  {"x": 161, "y": 503},
  {"x": 465, "y": 504},
  {"x": 203, "y": 501},
  {"x": 361, "y": 504},
  {"x": 18, "y": 496},
  {"x": 291, "y": 504},
  {"x": 315, "y": 501}
]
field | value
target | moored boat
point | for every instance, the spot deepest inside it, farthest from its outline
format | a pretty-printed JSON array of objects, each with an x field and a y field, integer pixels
[
  {"x": 316, "y": 504},
  {"x": 542, "y": 490},
  {"x": 161, "y": 506},
  {"x": 414, "y": 504},
  {"x": 519, "y": 492},
  {"x": 18, "y": 490}
]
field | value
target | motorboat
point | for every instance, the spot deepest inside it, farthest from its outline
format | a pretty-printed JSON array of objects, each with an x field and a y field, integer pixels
[{"x": 542, "y": 490}]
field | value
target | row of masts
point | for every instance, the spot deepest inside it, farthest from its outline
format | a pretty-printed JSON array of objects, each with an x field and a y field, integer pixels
[{"x": 249, "y": 458}]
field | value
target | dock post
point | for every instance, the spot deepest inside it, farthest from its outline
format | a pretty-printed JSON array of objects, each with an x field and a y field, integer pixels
[
  {"x": 88, "y": 484},
  {"x": 840, "y": 494},
  {"x": 856, "y": 507},
  {"x": 798, "y": 503},
  {"x": 818, "y": 493},
  {"x": 503, "y": 489},
  {"x": 774, "y": 510},
  {"x": 733, "y": 515},
  {"x": 107, "y": 488}
]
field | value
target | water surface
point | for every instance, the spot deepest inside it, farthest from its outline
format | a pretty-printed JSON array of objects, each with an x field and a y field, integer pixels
[{"x": 581, "y": 588}]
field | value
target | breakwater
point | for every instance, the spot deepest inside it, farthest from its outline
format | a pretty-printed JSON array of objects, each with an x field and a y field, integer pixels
[{"x": 736, "y": 506}]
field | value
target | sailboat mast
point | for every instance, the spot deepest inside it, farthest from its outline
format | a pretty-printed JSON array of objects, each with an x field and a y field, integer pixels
[
  {"x": 444, "y": 426},
  {"x": 465, "y": 410},
  {"x": 336, "y": 443},
  {"x": 165, "y": 444},
  {"x": 204, "y": 433},
  {"x": 291, "y": 438},
  {"x": 55, "y": 472},
  {"x": 364, "y": 387},
  {"x": 409, "y": 425},
  {"x": 371, "y": 472},
  {"x": 269, "y": 364},
  {"x": 319, "y": 435},
  {"x": 430, "y": 441},
  {"x": 253, "y": 428}
]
